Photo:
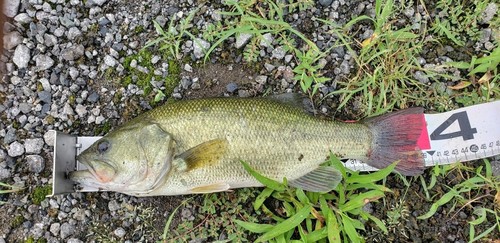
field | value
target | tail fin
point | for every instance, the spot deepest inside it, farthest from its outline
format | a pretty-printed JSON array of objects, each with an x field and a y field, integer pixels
[{"x": 395, "y": 137}]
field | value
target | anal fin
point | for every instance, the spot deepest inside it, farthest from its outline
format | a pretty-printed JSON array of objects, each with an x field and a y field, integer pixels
[
  {"x": 322, "y": 179},
  {"x": 216, "y": 187}
]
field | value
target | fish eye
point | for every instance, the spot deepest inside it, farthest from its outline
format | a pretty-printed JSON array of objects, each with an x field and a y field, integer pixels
[{"x": 103, "y": 146}]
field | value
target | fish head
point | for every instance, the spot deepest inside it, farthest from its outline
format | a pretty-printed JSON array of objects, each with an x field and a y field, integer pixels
[{"x": 133, "y": 159}]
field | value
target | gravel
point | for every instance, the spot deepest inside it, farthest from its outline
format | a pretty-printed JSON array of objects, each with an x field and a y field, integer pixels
[
  {"x": 16, "y": 149},
  {"x": 21, "y": 56},
  {"x": 35, "y": 163},
  {"x": 200, "y": 47},
  {"x": 64, "y": 64},
  {"x": 33, "y": 145}
]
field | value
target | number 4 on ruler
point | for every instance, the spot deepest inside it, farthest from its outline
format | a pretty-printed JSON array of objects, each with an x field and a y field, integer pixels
[{"x": 466, "y": 131}]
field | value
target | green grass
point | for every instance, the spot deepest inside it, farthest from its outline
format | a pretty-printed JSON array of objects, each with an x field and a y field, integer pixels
[
  {"x": 319, "y": 217},
  {"x": 10, "y": 189},
  {"x": 477, "y": 185},
  {"x": 40, "y": 193}
]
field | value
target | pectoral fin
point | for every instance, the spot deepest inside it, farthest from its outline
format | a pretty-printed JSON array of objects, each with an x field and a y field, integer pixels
[
  {"x": 322, "y": 179},
  {"x": 205, "y": 154},
  {"x": 217, "y": 187}
]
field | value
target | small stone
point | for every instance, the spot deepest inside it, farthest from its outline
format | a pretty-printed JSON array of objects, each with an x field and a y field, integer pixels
[
  {"x": 243, "y": 93},
  {"x": 43, "y": 62},
  {"x": 45, "y": 96},
  {"x": 489, "y": 46},
  {"x": 200, "y": 46},
  {"x": 242, "y": 39},
  {"x": 186, "y": 82},
  {"x": 54, "y": 228},
  {"x": 133, "y": 63},
  {"x": 278, "y": 53},
  {"x": 231, "y": 87},
  {"x": 177, "y": 95},
  {"x": 72, "y": 53},
  {"x": 81, "y": 110},
  {"x": 73, "y": 33},
  {"x": 10, "y": 136},
  {"x": 155, "y": 59},
  {"x": 188, "y": 68},
  {"x": 25, "y": 107},
  {"x": 421, "y": 77},
  {"x": 98, "y": 2},
  {"x": 33, "y": 145},
  {"x": 119, "y": 232},
  {"x": 489, "y": 12},
  {"x": 345, "y": 67},
  {"x": 66, "y": 230},
  {"x": 267, "y": 40},
  {"x": 11, "y": 7},
  {"x": 288, "y": 58},
  {"x": 23, "y": 18},
  {"x": 325, "y": 3},
  {"x": 49, "y": 137},
  {"x": 45, "y": 84},
  {"x": 99, "y": 120},
  {"x": 21, "y": 56},
  {"x": 261, "y": 79},
  {"x": 196, "y": 86},
  {"x": 15, "y": 149},
  {"x": 113, "y": 205},
  {"x": 74, "y": 240},
  {"x": 37, "y": 230},
  {"x": 186, "y": 214},
  {"x": 495, "y": 167},
  {"x": 4, "y": 173},
  {"x": 110, "y": 61},
  {"x": 35, "y": 163},
  {"x": 11, "y": 40},
  {"x": 93, "y": 97},
  {"x": 269, "y": 67},
  {"x": 73, "y": 73}
]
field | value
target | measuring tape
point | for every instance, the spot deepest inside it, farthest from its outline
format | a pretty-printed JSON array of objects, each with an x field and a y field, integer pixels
[{"x": 465, "y": 134}]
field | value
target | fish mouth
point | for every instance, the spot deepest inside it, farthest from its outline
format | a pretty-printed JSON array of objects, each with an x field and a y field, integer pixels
[{"x": 90, "y": 176}]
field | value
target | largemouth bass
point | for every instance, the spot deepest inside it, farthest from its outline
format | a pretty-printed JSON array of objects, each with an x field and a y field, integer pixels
[{"x": 196, "y": 146}]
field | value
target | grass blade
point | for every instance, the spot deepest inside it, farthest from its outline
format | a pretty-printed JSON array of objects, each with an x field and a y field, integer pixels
[
  {"x": 254, "y": 227},
  {"x": 286, "y": 225}
]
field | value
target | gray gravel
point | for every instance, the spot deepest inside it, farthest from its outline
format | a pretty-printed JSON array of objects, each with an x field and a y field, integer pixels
[{"x": 64, "y": 62}]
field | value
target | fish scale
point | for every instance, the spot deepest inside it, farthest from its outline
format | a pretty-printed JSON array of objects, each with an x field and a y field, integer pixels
[{"x": 268, "y": 135}]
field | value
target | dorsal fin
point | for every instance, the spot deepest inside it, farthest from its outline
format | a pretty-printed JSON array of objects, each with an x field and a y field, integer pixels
[
  {"x": 205, "y": 154},
  {"x": 295, "y": 100},
  {"x": 322, "y": 179}
]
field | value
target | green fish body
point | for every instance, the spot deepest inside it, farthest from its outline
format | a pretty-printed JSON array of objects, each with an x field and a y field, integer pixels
[{"x": 196, "y": 146}]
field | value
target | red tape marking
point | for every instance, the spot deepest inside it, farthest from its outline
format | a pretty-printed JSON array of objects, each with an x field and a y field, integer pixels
[{"x": 423, "y": 141}]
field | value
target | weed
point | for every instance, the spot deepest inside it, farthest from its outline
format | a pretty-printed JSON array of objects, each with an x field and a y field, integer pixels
[
  {"x": 486, "y": 84},
  {"x": 458, "y": 21},
  {"x": 257, "y": 19},
  {"x": 10, "y": 189},
  {"x": 217, "y": 215},
  {"x": 318, "y": 216},
  {"x": 481, "y": 185},
  {"x": 171, "y": 39},
  {"x": 385, "y": 65},
  {"x": 40, "y": 193},
  {"x": 17, "y": 221}
]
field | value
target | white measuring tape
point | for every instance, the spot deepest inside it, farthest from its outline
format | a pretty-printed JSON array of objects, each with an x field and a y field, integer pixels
[
  {"x": 460, "y": 135},
  {"x": 465, "y": 134}
]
